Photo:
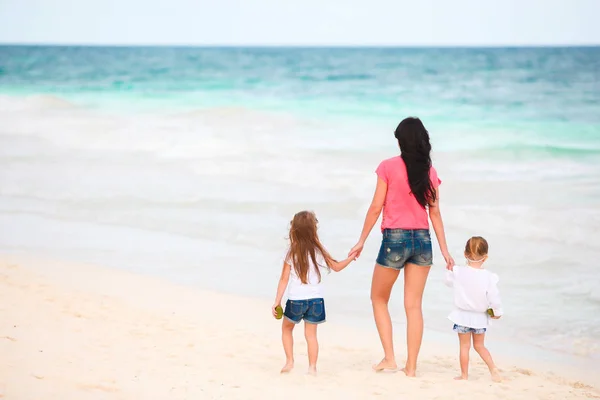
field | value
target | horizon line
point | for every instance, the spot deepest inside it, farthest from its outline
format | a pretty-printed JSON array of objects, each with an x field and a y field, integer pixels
[{"x": 300, "y": 46}]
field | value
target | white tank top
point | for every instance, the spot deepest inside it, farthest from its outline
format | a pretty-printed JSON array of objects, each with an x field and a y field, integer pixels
[{"x": 303, "y": 291}]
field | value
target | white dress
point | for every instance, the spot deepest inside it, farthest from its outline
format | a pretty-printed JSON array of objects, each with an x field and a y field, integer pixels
[{"x": 475, "y": 291}]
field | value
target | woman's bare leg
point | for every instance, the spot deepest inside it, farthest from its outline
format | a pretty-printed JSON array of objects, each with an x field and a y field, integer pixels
[
  {"x": 415, "y": 278},
  {"x": 381, "y": 288}
]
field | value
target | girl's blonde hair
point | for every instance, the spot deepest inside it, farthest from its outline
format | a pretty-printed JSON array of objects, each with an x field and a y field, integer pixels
[
  {"x": 476, "y": 248},
  {"x": 304, "y": 243}
]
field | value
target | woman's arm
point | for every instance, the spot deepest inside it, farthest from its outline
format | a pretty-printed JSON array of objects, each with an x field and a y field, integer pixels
[
  {"x": 435, "y": 215},
  {"x": 283, "y": 282},
  {"x": 372, "y": 216}
]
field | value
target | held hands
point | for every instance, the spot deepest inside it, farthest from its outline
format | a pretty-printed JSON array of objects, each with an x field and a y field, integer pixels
[
  {"x": 352, "y": 255},
  {"x": 449, "y": 261},
  {"x": 356, "y": 250}
]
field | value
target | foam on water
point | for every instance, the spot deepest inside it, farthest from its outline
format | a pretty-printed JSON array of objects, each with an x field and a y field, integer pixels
[{"x": 33, "y": 102}]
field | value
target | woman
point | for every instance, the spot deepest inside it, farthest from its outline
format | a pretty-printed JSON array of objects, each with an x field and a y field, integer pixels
[{"x": 407, "y": 187}]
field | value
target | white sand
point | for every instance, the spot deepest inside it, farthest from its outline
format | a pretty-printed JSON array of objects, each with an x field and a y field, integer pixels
[{"x": 82, "y": 332}]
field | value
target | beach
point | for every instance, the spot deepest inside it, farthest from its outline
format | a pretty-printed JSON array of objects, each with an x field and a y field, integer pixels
[
  {"x": 146, "y": 195},
  {"x": 73, "y": 331}
]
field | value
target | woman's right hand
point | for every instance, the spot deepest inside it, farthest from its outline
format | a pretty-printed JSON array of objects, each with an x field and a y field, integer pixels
[{"x": 356, "y": 250}]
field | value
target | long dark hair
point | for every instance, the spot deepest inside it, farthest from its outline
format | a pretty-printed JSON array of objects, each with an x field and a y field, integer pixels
[{"x": 415, "y": 149}]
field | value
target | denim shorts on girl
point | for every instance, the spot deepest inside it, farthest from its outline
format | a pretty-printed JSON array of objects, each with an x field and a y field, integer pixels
[
  {"x": 401, "y": 246},
  {"x": 310, "y": 310},
  {"x": 466, "y": 329}
]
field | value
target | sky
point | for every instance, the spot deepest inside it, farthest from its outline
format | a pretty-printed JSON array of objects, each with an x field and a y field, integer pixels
[{"x": 301, "y": 22}]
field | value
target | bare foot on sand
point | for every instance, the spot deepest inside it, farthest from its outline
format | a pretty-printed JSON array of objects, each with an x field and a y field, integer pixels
[
  {"x": 287, "y": 367},
  {"x": 409, "y": 372},
  {"x": 461, "y": 378},
  {"x": 312, "y": 371},
  {"x": 496, "y": 377},
  {"x": 385, "y": 365}
]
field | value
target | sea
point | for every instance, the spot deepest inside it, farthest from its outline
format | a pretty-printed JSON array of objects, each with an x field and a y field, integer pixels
[{"x": 188, "y": 164}]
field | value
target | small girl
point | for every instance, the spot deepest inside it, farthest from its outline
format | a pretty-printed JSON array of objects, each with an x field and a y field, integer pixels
[
  {"x": 303, "y": 261},
  {"x": 475, "y": 292}
]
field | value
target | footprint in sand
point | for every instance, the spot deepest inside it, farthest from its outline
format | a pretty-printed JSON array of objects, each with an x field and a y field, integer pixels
[
  {"x": 523, "y": 371},
  {"x": 103, "y": 388},
  {"x": 579, "y": 385}
]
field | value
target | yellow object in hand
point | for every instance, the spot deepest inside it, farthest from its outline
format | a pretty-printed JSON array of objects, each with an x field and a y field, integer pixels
[
  {"x": 279, "y": 312},
  {"x": 490, "y": 312}
]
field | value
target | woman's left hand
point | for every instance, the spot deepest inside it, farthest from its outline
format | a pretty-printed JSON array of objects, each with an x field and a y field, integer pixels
[{"x": 449, "y": 262}]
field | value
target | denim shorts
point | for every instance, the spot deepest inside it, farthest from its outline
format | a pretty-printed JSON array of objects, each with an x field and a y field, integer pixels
[
  {"x": 466, "y": 329},
  {"x": 311, "y": 311},
  {"x": 401, "y": 246}
]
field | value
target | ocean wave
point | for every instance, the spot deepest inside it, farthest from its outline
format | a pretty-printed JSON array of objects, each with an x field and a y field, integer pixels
[
  {"x": 519, "y": 150},
  {"x": 234, "y": 113},
  {"x": 555, "y": 150},
  {"x": 336, "y": 77}
]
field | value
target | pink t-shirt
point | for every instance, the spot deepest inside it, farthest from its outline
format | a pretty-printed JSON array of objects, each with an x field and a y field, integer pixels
[{"x": 401, "y": 210}]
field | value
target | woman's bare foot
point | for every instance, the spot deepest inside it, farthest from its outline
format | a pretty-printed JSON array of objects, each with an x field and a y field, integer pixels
[
  {"x": 312, "y": 371},
  {"x": 496, "y": 377},
  {"x": 287, "y": 367},
  {"x": 461, "y": 378},
  {"x": 385, "y": 365},
  {"x": 411, "y": 373}
]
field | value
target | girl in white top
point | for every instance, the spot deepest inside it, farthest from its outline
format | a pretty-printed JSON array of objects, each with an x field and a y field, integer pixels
[
  {"x": 476, "y": 300},
  {"x": 301, "y": 275}
]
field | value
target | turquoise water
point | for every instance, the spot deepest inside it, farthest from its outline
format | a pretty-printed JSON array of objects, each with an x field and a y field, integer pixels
[
  {"x": 552, "y": 95},
  {"x": 492, "y": 86},
  {"x": 547, "y": 99},
  {"x": 189, "y": 162}
]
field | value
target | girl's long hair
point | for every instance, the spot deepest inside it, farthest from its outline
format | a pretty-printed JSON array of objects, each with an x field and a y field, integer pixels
[
  {"x": 304, "y": 243},
  {"x": 415, "y": 149}
]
